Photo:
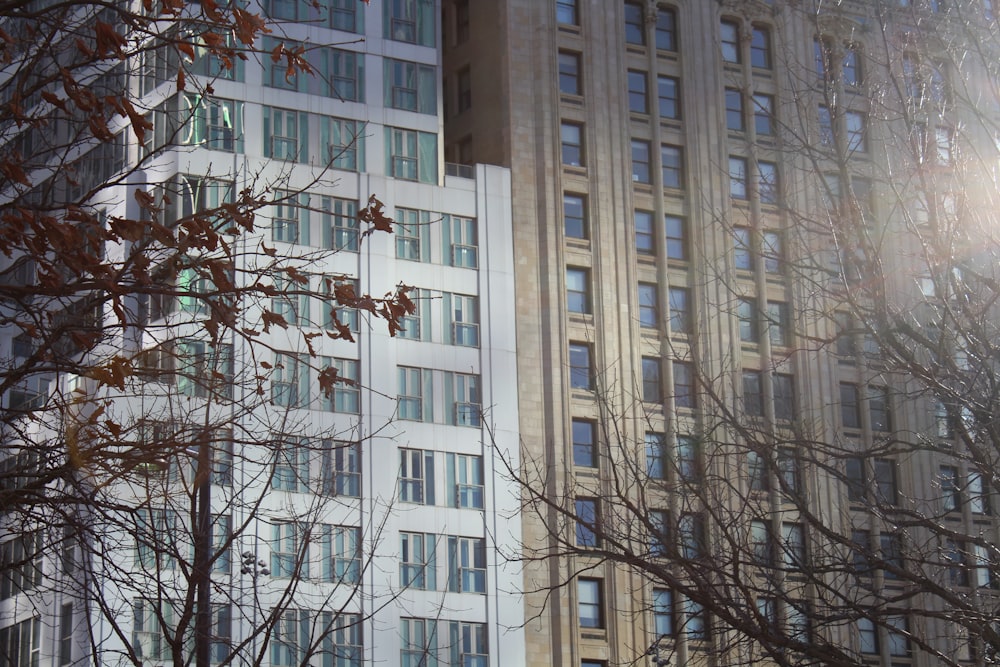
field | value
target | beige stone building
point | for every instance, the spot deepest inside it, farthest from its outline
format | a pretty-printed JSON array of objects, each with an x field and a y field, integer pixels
[{"x": 697, "y": 326}]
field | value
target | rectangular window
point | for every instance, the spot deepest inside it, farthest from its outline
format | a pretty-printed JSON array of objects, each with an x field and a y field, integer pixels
[
  {"x": 340, "y": 223},
  {"x": 590, "y": 603},
  {"x": 878, "y": 409},
  {"x": 21, "y": 561},
  {"x": 345, "y": 70},
  {"x": 695, "y": 621},
  {"x": 464, "y": 319},
  {"x": 684, "y": 389},
  {"x": 414, "y": 383},
  {"x": 867, "y": 636},
  {"x": 577, "y": 290},
  {"x": 746, "y": 314},
  {"x": 857, "y": 131},
  {"x": 763, "y": 114},
  {"x": 955, "y": 558},
  {"x": 204, "y": 369},
  {"x": 286, "y": 134},
  {"x": 584, "y": 444},
  {"x": 341, "y": 468},
  {"x": 344, "y": 16},
  {"x": 772, "y": 248},
  {"x": 851, "y": 66},
  {"x": 638, "y": 96},
  {"x": 640, "y": 161},
  {"x": 688, "y": 460},
  {"x": 680, "y": 310},
  {"x": 342, "y": 646},
  {"x": 411, "y": 155},
  {"x": 409, "y": 86},
  {"x": 659, "y": 533},
  {"x": 899, "y": 643},
  {"x": 677, "y": 244},
  {"x": 587, "y": 522},
  {"x": 850, "y": 405},
  {"x": 344, "y": 143},
  {"x": 951, "y": 497},
  {"x": 566, "y": 12},
  {"x": 222, "y": 537},
  {"x": 644, "y": 240},
  {"x": 462, "y": 245},
  {"x": 419, "y": 642},
  {"x": 891, "y": 547},
  {"x": 580, "y": 373},
  {"x": 730, "y": 40},
  {"x": 286, "y": 551},
  {"x": 793, "y": 546},
  {"x": 656, "y": 456},
  {"x": 738, "y": 177},
  {"x": 345, "y": 395},
  {"x": 779, "y": 327},
  {"x": 464, "y": 388},
  {"x": 147, "y": 634},
  {"x": 65, "y": 637},
  {"x": 784, "y": 397},
  {"x": 760, "y": 47},
  {"x": 743, "y": 257},
  {"x": 291, "y": 302},
  {"x": 574, "y": 216},
  {"x": 825, "y": 127},
  {"x": 734, "y": 110},
  {"x": 666, "y": 29},
  {"x": 759, "y": 476},
  {"x": 753, "y": 395},
  {"x": 635, "y": 29},
  {"x": 668, "y": 91},
  {"x": 466, "y": 471},
  {"x": 340, "y": 547},
  {"x": 416, "y": 476},
  {"x": 663, "y": 613},
  {"x": 651, "y": 392},
  {"x": 412, "y": 21},
  {"x": 788, "y": 470},
  {"x": 649, "y": 306},
  {"x": 412, "y": 230},
  {"x": 673, "y": 166},
  {"x": 767, "y": 182},
  {"x": 466, "y": 565},
  {"x": 691, "y": 536},
  {"x": 569, "y": 73},
  {"x": 417, "y": 567},
  {"x": 760, "y": 543},
  {"x": 979, "y": 499},
  {"x": 861, "y": 541},
  {"x": 571, "y": 135}
]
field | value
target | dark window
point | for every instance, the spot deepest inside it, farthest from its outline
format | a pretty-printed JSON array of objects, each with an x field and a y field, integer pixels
[
  {"x": 569, "y": 73},
  {"x": 666, "y": 30},
  {"x": 651, "y": 380},
  {"x": 850, "y": 408},
  {"x": 730, "y": 34},
  {"x": 680, "y": 310},
  {"x": 784, "y": 397},
  {"x": 854, "y": 472},
  {"x": 644, "y": 240},
  {"x": 778, "y": 323},
  {"x": 688, "y": 460},
  {"x": 575, "y": 216},
  {"x": 891, "y": 547},
  {"x": 746, "y": 313},
  {"x": 734, "y": 110},
  {"x": 760, "y": 48},
  {"x": 885, "y": 481},
  {"x": 676, "y": 237},
  {"x": 788, "y": 469},
  {"x": 635, "y": 31},
  {"x": 760, "y": 478},
  {"x": 878, "y": 408},
  {"x": 753, "y": 396},
  {"x": 566, "y": 12},
  {"x": 640, "y": 161},
  {"x": 656, "y": 456},
  {"x": 763, "y": 114},
  {"x": 861, "y": 543},
  {"x": 668, "y": 90},
  {"x": 691, "y": 536},
  {"x": 684, "y": 394},
  {"x": 767, "y": 182},
  {"x": 638, "y": 98},
  {"x": 587, "y": 521},
  {"x": 673, "y": 166},
  {"x": 648, "y": 306},
  {"x": 584, "y": 452},
  {"x": 580, "y": 374},
  {"x": 742, "y": 250},
  {"x": 851, "y": 66},
  {"x": 572, "y": 144},
  {"x": 951, "y": 497}
]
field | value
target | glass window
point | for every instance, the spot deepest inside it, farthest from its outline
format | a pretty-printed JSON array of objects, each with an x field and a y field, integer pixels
[
  {"x": 651, "y": 392},
  {"x": 856, "y": 131},
  {"x": 340, "y": 547},
  {"x": 577, "y": 290},
  {"x": 851, "y": 70},
  {"x": 742, "y": 251},
  {"x": 572, "y": 144},
  {"x": 416, "y": 476},
  {"x": 878, "y": 409},
  {"x": 773, "y": 250},
  {"x": 734, "y": 110},
  {"x": 410, "y": 403},
  {"x": 566, "y": 12},
  {"x": 753, "y": 397},
  {"x": 784, "y": 397},
  {"x": 885, "y": 481},
  {"x": 286, "y": 546},
  {"x": 346, "y": 394},
  {"x": 341, "y": 468},
  {"x": 738, "y": 177},
  {"x": 648, "y": 306},
  {"x": 677, "y": 246},
  {"x": 695, "y": 621},
  {"x": 730, "y": 39},
  {"x": 635, "y": 30},
  {"x": 793, "y": 545},
  {"x": 684, "y": 389},
  {"x": 767, "y": 182},
  {"x": 746, "y": 314},
  {"x": 590, "y": 603},
  {"x": 285, "y": 134},
  {"x": 569, "y": 73},
  {"x": 417, "y": 567},
  {"x": 412, "y": 21},
  {"x": 760, "y": 48},
  {"x": 899, "y": 643},
  {"x": 410, "y": 86},
  {"x": 464, "y": 319},
  {"x": 468, "y": 472},
  {"x": 788, "y": 469},
  {"x": 644, "y": 239},
  {"x": 466, "y": 565},
  {"x": 668, "y": 90},
  {"x": 850, "y": 405},
  {"x": 979, "y": 500},
  {"x": 663, "y": 612},
  {"x": 666, "y": 30},
  {"x": 580, "y": 373},
  {"x": 411, "y": 155},
  {"x": 778, "y": 323},
  {"x": 340, "y": 223},
  {"x": 344, "y": 142},
  {"x": 587, "y": 520},
  {"x": 691, "y": 536},
  {"x": 638, "y": 98},
  {"x": 760, "y": 543},
  {"x": 584, "y": 445},
  {"x": 346, "y": 73},
  {"x": 867, "y": 636},
  {"x": 468, "y": 401},
  {"x": 760, "y": 477},
  {"x": 688, "y": 460},
  {"x": 673, "y": 166},
  {"x": 640, "y": 161},
  {"x": 763, "y": 114},
  {"x": 575, "y": 216},
  {"x": 680, "y": 310},
  {"x": 656, "y": 456}
]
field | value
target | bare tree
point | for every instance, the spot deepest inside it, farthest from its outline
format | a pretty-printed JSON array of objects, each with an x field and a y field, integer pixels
[{"x": 805, "y": 471}]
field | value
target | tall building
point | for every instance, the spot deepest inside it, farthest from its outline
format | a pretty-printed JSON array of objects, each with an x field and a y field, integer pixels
[
  {"x": 737, "y": 394},
  {"x": 366, "y": 525}
]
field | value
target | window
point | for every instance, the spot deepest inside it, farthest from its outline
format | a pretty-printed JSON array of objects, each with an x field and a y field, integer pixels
[
  {"x": 345, "y": 396},
  {"x": 676, "y": 229},
  {"x": 730, "y": 39},
  {"x": 784, "y": 397},
  {"x": 566, "y": 12},
  {"x": 411, "y": 155},
  {"x": 419, "y": 642},
  {"x": 760, "y": 543},
  {"x": 590, "y": 603},
  {"x": 673, "y": 166},
  {"x": 684, "y": 394},
  {"x": 147, "y": 635},
  {"x": 221, "y": 540},
  {"x": 746, "y": 313},
  {"x": 742, "y": 253},
  {"x": 584, "y": 445},
  {"x": 861, "y": 541},
  {"x": 340, "y": 223},
  {"x": 668, "y": 91},
  {"x": 825, "y": 127},
  {"x": 466, "y": 564},
  {"x": 343, "y": 643},
  {"x": 898, "y": 628},
  {"x": 587, "y": 521},
  {"x": 763, "y": 114},
  {"x": 346, "y": 75},
  {"x": 851, "y": 66},
  {"x": 574, "y": 216},
  {"x": 644, "y": 240},
  {"x": 944, "y": 140},
  {"x": 65, "y": 637},
  {"x": 759, "y": 476},
  {"x": 410, "y": 86},
  {"x": 734, "y": 110},
  {"x": 656, "y": 456},
  {"x": 878, "y": 409},
  {"x": 467, "y": 473},
  {"x": 891, "y": 547},
  {"x": 461, "y": 240},
  {"x": 640, "y": 161},
  {"x": 760, "y": 48},
  {"x": 867, "y": 636},
  {"x": 691, "y": 536},
  {"x": 204, "y": 369},
  {"x": 979, "y": 500},
  {"x": 638, "y": 99},
  {"x": 410, "y": 21},
  {"x": 772, "y": 249},
  {"x": 649, "y": 315},
  {"x": 286, "y": 135},
  {"x": 345, "y": 143},
  {"x": 577, "y": 290},
  {"x": 413, "y": 384},
  {"x": 857, "y": 132},
  {"x": 688, "y": 460},
  {"x": 767, "y": 182},
  {"x": 335, "y": 317},
  {"x": 793, "y": 546},
  {"x": 753, "y": 396},
  {"x": 416, "y": 476},
  {"x": 580, "y": 375},
  {"x": 651, "y": 380},
  {"x": 341, "y": 468},
  {"x": 666, "y": 29},
  {"x": 569, "y": 73},
  {"x": 291, "y": 302},
  {"x": 464, "y": 387},
  {"x": 417, "y": 567},
  {"x": 778, "y": 323},
  {"x": 21, "y": 559},
  {"x": 680, "y": 310},
  {"x": 340, "y": 548},
  {"x": 635, "y": 29},
  {"x": 412, "y": 228},
  {"x": 663, "y": 612},
  {"x": 738, "y": 177},
  {"x": 286, "y": 546},
  {"x": 464, "y": 319},
  {"x": 955, "y": 559},
  {"x": 856, "y": 476},
  {"x": 788, "y": 469},
  {"x": 850, "y": 405},
  {"x": 344, "y": 16},
  {"x": 951, "y": 497},
  {"x": 572, "y": 144},
  {"x": 695, "y": 620},
  {"x": 659, "y": 533}
]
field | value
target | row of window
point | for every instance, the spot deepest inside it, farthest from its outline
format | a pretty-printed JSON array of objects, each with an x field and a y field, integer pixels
[
  {"x": 465, "y": 556},
  {"x": 291, "y": 383},
  {"x": 423, "y": 391},
  {"x": 411, "y": 21},
  {"x": 421, "y": 473}
]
